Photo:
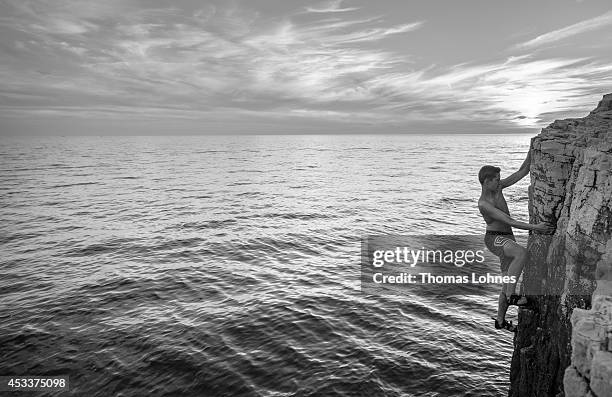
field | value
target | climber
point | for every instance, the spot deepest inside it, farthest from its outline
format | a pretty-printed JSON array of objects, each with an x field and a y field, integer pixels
[{"x": 499, "y": 238}]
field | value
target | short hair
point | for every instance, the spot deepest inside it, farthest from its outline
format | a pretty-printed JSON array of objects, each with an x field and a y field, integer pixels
[{"x": 487, "y": 172}]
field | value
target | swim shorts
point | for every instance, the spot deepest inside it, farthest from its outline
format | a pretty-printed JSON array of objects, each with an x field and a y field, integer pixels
[{"x": 495, "y": 242}]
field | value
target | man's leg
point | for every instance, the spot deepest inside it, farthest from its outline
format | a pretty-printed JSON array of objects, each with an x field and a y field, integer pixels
[
  {"x": 519, "y": 256},
  {"x": 502, "y": 305}
]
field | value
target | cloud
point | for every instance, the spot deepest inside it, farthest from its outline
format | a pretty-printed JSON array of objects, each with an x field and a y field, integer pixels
[
  {"x": 519, "y": 91},
  {"x": 232, "y": 64},
  {"x": 375, "y": 33},
  {"x": 332, "y": 6},
  {"x": 572, "y": 30},
  {"x": 221, "y": 58}
]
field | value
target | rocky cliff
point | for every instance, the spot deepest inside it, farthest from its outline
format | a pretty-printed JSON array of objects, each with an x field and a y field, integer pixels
[{"x": 565, "y": 343}]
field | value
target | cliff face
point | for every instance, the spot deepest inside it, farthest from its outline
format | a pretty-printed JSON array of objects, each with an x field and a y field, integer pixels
[{"x": 566, "y": 342}]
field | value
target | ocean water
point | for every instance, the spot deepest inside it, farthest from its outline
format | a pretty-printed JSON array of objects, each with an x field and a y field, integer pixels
[{"x": 230, "y": 265}]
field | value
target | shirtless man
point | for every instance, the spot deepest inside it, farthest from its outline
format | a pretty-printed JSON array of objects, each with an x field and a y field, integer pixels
[{"x": 499, "y": 238}]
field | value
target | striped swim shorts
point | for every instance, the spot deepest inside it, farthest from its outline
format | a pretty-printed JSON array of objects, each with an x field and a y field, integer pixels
[{"x": 495, "y": 242}]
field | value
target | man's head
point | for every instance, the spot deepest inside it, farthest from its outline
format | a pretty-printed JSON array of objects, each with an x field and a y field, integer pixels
[{"x": 488, "y": 172}]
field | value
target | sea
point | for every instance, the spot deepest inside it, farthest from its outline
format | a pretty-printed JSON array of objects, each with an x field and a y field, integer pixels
[{"x": 230, "y": 265}]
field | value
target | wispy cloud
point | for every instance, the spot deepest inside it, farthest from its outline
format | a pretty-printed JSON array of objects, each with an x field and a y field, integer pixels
[
  {"x": 332, "y": 6},
  {"x": 194, "y": 63},
  {"x": 569, "y": 31},
  {"x": 519, "y": 91},
  {"x": 375, "y": 34}
]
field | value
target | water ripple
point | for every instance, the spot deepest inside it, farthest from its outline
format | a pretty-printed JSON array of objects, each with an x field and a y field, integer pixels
[{"x": 230, "y": 265}]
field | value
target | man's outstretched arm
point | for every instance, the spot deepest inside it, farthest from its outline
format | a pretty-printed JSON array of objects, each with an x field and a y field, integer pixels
[
  {"x": 495, "y": 213},
  {"x": 518, "y": 175}
]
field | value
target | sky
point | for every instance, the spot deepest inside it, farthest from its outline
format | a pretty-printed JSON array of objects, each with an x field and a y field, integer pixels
[{"x": 79, "y": 67}]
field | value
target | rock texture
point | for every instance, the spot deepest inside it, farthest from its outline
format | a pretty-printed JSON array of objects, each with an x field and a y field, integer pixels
[{"x": 564, "y": 346}]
